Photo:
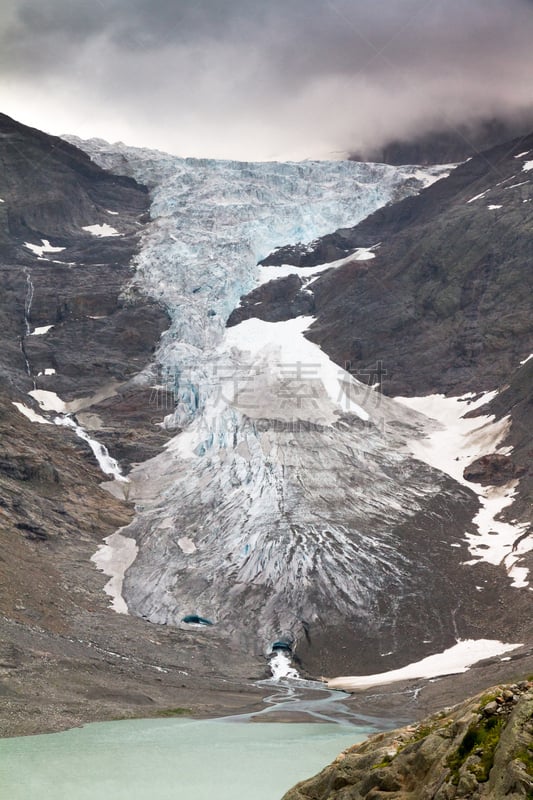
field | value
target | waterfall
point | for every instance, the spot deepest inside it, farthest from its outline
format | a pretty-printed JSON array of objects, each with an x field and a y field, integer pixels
[
  {"x": 280, "y": 665},
  {"x": 107, "y": 463},
  {"x": 27, "y": 327},
  {"x": 28, "y": 303}
]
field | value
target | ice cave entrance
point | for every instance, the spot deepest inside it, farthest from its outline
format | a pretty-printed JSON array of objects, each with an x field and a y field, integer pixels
[
  {"x": 281, "y": 645},
  {"x": 194, "y": 619}
]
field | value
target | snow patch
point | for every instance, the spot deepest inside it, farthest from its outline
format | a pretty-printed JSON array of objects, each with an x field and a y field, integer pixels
[
  {"x": 432, "y": 174},
  {"x": 113, "y": 559},
  {"x": 41, "y": 331},
  {"x": 455, "y": 660},
  {"x": 101, "y": 230},
  {"x": 364, "y": 254},
  {"x": 31, "y": 414},
  {"x": 267, "y": 274},
  {"x": 187, "y": 545},
  {"x": 527, "y": 166},
  {"x": 525, "y": 153},
  {"x": 47, "y": 372},
  {"x": 293, "y": 361},
  {"x": 46, "y": 247},
  {"x": 478, "y": 196},
  {"x": 456, "y": 443},
  {"x": 526, "y": 360},
  {"x": 494, "y": 208},
  {"x": 49, "y": 401},
  {"x": 270, "y": 273}
]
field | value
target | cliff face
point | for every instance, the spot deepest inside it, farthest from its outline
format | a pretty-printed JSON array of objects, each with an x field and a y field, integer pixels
[{"x": 478, "y": 750}]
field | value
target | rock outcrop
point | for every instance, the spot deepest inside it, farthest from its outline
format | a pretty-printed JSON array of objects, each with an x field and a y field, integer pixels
[
  {"x": 479, "y": 750},
  {"x": 275, "y": 301},
  {"x": 494, "y": 469}
]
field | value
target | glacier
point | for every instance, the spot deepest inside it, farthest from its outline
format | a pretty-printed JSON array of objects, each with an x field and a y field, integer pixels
[
  {"x": 212, "y": 221},
  {"x": 280, "y": 506}
]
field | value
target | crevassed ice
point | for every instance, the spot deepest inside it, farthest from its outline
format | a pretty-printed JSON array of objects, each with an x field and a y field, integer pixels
[{"x": 214, "y": 220}]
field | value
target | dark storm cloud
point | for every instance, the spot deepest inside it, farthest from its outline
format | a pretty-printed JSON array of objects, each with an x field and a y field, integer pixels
[{"x": 220, "y": 73}]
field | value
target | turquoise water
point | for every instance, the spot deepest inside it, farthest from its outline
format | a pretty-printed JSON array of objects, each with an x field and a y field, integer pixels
[{"x": 169, "y": 760}]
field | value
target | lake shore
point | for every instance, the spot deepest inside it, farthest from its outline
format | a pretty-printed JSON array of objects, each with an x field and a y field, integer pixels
[{"x": 105, "y": 666}]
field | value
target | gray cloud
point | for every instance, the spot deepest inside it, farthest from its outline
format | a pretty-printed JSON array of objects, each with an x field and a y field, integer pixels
[{"x": 261, "y": 79}]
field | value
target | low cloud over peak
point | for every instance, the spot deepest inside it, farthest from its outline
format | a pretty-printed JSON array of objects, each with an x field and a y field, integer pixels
[{"x": 255, "y": 80}]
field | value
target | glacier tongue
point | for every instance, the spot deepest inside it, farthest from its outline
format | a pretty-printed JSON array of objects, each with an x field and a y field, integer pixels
[{"x": 288, "y": 489}]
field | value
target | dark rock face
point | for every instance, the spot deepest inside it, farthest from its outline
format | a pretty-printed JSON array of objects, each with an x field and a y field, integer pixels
[
  {"x": 446, "y": 306},
  {"x": 140, "y": 411},
  {"x": 517, "y": 399},
  {"x": 60, "y": 637},
  {"x": 51, "y": 192},
  {"x": 493, "y": 470},
  {"x": 70, "y": 324},
  {"x": 275, "y": 301},
  {"x": 52, "y": 189},
  {"x": 433, "y": 306},
  {"x": 302, "y": 255}
]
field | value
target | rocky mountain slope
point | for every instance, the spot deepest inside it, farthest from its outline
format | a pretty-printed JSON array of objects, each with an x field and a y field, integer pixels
[
  {"x": 444, "y": 302},
  {"x": 480, "y": 749}
]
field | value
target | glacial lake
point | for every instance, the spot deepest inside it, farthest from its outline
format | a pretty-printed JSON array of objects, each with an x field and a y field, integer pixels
[{"x": 171, "y": 759}]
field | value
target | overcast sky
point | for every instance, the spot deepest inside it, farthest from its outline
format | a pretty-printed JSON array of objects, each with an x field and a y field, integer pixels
[{"x": 262, "y": 79}]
